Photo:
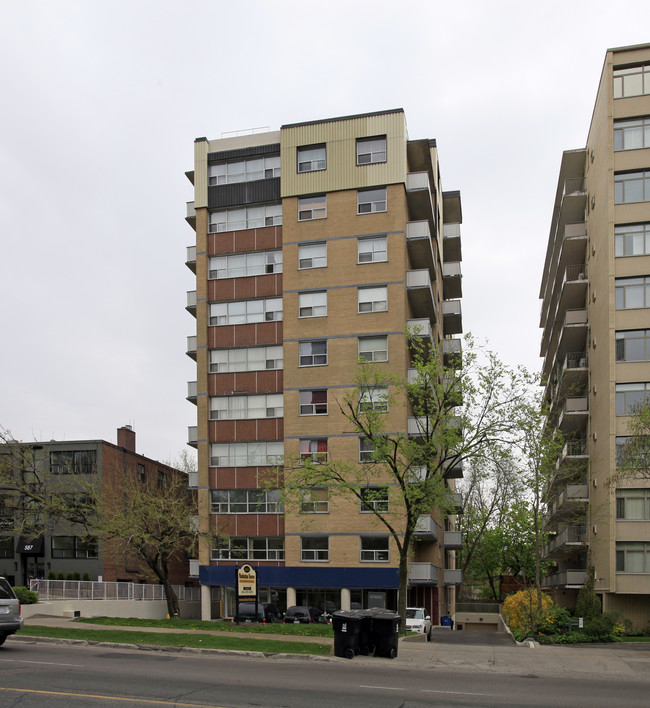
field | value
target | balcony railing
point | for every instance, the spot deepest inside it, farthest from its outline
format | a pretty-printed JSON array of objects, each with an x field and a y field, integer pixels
[
  {"x": 191, "y": 346},
  {"x": 565, "y": 578},
  {"x": 457, "y": 501},
  {"x": 426, "y": 528},
  {"x": 453, "y": 576},
  {"x": 421, "y": 328},
  {"x": 191, "y": 301},
  {"x": 452, "y": 350},
  {"x": 418, "y": 194},
  {"x": 417, "y": 230},
  {"x": 451, "y": 243},
  {"x": 569, "y": 536},
  {"x": 452, "y": 317},
  {"x": 420, "y": 293},
  {"x": 423, "y": 573},
  {"x": 192, "y": 390},
  {"x": 452, "y": 279},
  {"x": 420, "y": 248},
  {"x": 453, "y": 540},
  {"x": 190, "y": 214},
  {"x": 192, "y": 435},
  {"x": 190, "y": 259}
]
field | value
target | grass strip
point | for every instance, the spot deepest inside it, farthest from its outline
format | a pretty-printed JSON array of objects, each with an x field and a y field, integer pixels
[
  {"x": 205, "y": 641},
  {"x": 278, "y": 628},
  {"x": 635, "y": 639}
]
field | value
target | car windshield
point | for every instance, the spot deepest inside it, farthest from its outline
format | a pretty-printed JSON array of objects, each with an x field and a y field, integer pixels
[
  {"x": 412, "y": 614},
  {"x": 6, "y": 593}
]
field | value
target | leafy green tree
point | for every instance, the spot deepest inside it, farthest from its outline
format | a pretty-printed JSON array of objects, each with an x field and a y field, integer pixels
[
  {"x": 411, "y": 469},
  {"x": 633, "y": 457},
  {"x": 587, "y": 603}
]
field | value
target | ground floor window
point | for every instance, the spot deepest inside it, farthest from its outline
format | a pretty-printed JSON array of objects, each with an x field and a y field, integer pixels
[{"x": 633, "y": 557}]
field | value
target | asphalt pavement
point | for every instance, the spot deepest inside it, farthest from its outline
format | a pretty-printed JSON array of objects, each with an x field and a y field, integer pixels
[{"x": 474, "y": 651}]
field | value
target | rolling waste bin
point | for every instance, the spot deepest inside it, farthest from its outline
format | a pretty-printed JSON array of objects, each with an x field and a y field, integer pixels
[
  {"x": 385, "y": 625},
  {"x": 347, "y": 625}
]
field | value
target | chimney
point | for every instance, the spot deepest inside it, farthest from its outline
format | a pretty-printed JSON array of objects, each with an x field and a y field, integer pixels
[{"x": 126, "y": 438}]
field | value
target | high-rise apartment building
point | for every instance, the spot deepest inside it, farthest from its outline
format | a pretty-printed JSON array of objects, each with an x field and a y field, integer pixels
[
  {"x": 316, "y": 246},
  {"x": 596, "y": 343}
]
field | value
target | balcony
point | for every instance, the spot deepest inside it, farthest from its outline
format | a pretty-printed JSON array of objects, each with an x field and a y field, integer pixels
[
  {"x": 456, "y": 501},
  {"x": 565, "y": 579},
  {"x": 569, "y": 540},
  {"x": 418, "y": 196},
  {"x": 451, "y": 243},
  {"x": 190, "y": 259},
  {"x": 452, "y": 352},
  {"x": 191, "y": 302},
  {"x": 418, "y": 243},
  {"x": 453, "y": 469},
  {"x": 193, "y": 480},
  {"x": 453, "y": 389},
  {"x": 574, "y": 456},
  {"x": 453, "y": 540},
  {"x": 191, "y": 347},
  {"x": 190, "y": 215},
  {"x": 420, "y": 573},
  {"x": 417, "y": 427},
  {"x": 192, "y": 391},
  {"x": 452, "y": 280},
  {"x": 574, "y": 414},
  {"x": 426, "y": 528},
  {"x": 453, "y": 576},
  {"x": 422, "y": 329},
  {"x": 192, "y": 435},
  {"x": 568, "y": 503},
  {"x": 420, "y": 294},
  {"x": 452, "y": 317}
]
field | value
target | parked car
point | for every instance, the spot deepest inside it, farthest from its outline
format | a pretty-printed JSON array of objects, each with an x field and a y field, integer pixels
[
  {"x": 417, "y": 620},
  {"x": 301, "y": 614},
  {"x": 10, "y": 619},
  {"x": 246, "y": 612}
]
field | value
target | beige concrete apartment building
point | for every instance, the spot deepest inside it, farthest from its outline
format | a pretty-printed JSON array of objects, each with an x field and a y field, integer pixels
[
  {"x": 596, "y": 343},
  {"x": 316, "y": 245}
]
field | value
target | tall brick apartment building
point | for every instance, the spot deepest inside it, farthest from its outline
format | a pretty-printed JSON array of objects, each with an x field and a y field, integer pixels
[
  {"x": 22, "y": 559},
  {"x": 316, "y": 245}
]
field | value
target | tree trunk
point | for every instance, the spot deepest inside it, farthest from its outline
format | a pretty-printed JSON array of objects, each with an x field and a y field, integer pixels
[
  {"x": 172, "y": 599},
  {"x": 403, "y": 588}
]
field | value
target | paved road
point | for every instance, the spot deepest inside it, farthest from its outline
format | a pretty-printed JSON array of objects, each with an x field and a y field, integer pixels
[{"x": 72, "y": 676}]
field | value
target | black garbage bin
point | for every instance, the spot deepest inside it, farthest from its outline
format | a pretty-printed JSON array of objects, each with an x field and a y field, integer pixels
[
  {"x": 386, "y": 633},
  {"x": 346, "y": 625},
  {"x": 367, "y": 632}
]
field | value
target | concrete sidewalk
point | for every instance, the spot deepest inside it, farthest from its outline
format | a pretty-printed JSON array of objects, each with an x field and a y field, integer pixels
[{"x": 620, "y": 660}]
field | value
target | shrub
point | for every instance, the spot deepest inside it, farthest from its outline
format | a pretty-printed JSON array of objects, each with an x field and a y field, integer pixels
[
  {"x": 588, "y": 604},
  {"x": 51, "y": 575},
  {"x": 60, "y": 576},
  {"x": 26, "y": 596},
  {"x": 86, "y": 576},
  {"x": 555, "y": 621},
  {"x": 522, "y": 614}
]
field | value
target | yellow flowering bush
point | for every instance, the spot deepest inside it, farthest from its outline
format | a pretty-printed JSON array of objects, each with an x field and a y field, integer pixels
[{"x": 523, "y": 617}]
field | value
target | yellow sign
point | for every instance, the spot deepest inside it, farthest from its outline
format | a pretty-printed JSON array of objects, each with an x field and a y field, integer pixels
[{"x": 247, "y": 582}]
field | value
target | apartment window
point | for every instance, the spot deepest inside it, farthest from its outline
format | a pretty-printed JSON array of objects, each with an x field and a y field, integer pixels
[
  {"x": 633, "y": 504},
  {"x": 141, "y": 473},
  {"x": 244, "y": 170},
  {"x": 371, "y": 150},
  {"x": 311, "y": 158},
  {"x": 312, "y": 304},
  {"x": 374, "y": 549},
  {"x": 314, "y": 548},
  {"x": 366, "y": 450},
  {"x": 630, "y": 187},
  {"x": 632, "y": 134},
  {"x": 632, "y": 293},
  {"x": 373, "y": 399},
  {"x": 372, "y": 250},
  {"x": 632, "y": 557},
  {"x": 312, "y": 255},
  {"x": 373, "y": 499},
  {"x": 236, "y": 312},
  {"x": 240, "y": 265},
  {"x": 370, "y": 201},
  {"x": 264, "y": 405},
  {"x": 246, "y": 501},
  {"x": 73, "y": 547},
  {"x": 310, "y": 208},
  {"x": 260, "y": 548},
  {"x": 629, "y": 396},
  {"x": 73, "y": 462},
  {"x": 313, "y": 353},
  {"x": 315, "y": 501},
  {"x": 373, "y": 299},
  {"x": 249, "y": 217},
  {"x": 632, "y": 240},
  {"x": 633, "y": 345},
  {"x": 314, "y": 449},
  {"x": 313, "y": 402},
  {"x": 246, "y": 359},
  {"x": 373, "y": 348},
  {"x": 246, "y": 454},
  {"x": 632, "y": 81},
  {"x": 163, "y": 483},
  {"x": 7, "y": 547}
]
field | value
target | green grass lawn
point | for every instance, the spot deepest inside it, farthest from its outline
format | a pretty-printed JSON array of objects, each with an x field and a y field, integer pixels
[
  {"x": 635, "y": 639},
  {"x": 295, "y": 630},
  {"x": 206, "y": 641}
]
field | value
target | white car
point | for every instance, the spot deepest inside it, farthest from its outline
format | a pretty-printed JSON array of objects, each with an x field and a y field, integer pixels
[{"x": 417, "y": 620}]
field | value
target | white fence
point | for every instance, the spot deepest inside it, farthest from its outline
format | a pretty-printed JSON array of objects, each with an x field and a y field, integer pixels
[{"x": 91, "y": 590}]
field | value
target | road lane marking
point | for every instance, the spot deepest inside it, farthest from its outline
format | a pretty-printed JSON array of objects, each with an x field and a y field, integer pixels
[
  {"x": 47, "y": 663},
  {"x": 110, "y": 698},
  {"x": 383, "y": 688}
]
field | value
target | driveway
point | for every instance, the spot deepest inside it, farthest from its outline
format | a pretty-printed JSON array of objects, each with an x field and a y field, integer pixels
[{"x": 485, "y": 639}]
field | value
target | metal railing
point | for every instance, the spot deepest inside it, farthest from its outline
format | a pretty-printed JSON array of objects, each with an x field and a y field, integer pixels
[
  {"x": 96, "y": 590},
  {"x": 478, "y": 607}
]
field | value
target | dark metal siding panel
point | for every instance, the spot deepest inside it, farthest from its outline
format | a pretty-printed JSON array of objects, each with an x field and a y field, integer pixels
[
  {"x": 256, "y": 151},
  {"x": 260, "y": 191}
]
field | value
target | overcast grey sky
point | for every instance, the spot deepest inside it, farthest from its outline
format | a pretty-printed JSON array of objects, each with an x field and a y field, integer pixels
[{"x": 101, "y": 102}]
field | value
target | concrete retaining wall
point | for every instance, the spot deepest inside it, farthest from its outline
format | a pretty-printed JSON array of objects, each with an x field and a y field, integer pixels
[{"x": 142, "y": 609}]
